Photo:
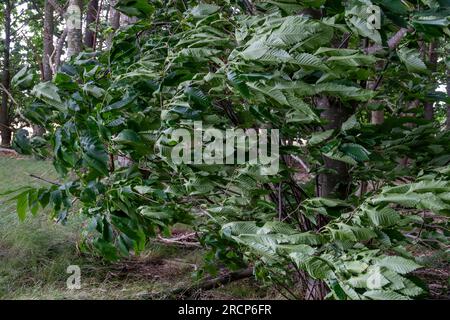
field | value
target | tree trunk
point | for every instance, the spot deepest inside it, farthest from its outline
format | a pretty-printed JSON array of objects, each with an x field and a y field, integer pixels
[
  {"x": 48, "y": 42},
  {"x": 337, "y": 177},
  {"x": 74, "y": 27},
  {"x": 114, "y": 21},
  {"x": 60, "y": 47},
  {"x": 433, "y": 58},
  {"x": 448, "y": 96},
  {"x": 91, "y": 18},
  {"x": 4, "y": 112},
  {"x": 377, "y": 117},
  {"x": 49, "y": 52}
]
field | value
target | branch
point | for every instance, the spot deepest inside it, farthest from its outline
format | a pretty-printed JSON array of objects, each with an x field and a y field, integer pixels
[
  {"x": 249, "y": 7},
  {"x": 186, "y": 292},
  {"x": 8, "y": 93},
  {"x": 59, "y": 47},
  {"x": 58, "y": 8},
  {"x": 392, "y": 42},
  {"x": 179, "y": 241},
  {"x": 45, "y": 180}
]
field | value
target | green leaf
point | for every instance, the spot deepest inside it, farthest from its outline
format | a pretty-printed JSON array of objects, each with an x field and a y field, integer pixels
[
  {"x": 398, "y": 264},
  {"x": 384, "y": 295},
  {"x": 204, "y": 9},
  {"x": 350, "y": 124},
  {"x": 22, "y": 205},
  {"x": 23, "y": 79},
  {"x": 317, "y": 268},
  {"x": 384, "y": 217},
  {"x": 411, "y": 58},
  {"x": 135, "y": 8},
  {"x": 118, "y": 105},
  {"x": 318, "y": 138},
  {"x": 356, "y": 151},
  {"x": 46, "y": 91}
]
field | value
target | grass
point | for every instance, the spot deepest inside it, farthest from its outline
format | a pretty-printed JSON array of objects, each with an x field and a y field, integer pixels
[{"x": 35, "y": 254}]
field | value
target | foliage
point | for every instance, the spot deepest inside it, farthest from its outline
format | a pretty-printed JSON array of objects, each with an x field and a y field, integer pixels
[{"x": 228, "y": 68}]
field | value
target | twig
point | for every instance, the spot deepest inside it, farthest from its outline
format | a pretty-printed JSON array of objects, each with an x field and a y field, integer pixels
[
  {"x": 300, "y": 162},
  {"x": 8, "y": 93},
  {"x": 45, "y": 180}
]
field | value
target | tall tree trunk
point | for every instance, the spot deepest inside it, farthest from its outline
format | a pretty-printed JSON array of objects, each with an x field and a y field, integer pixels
[
  {"x": 74, "y": 30},
  {"x": 433, "y": 59},
  {"x": 335, "y": 114},
  {"x": 377, "y": 116},
  {"x": 60, "y": 47},
  {"x": 4, "y": 112},
  {"x": 48, "y": 41},
  {"x": 448, "y": 96},
  {"x": 91, "y": 18},
  {"x": 114, "y": 21},
  {"x": 49, "y": 52}
]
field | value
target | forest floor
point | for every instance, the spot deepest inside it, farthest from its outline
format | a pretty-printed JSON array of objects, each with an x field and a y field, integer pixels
[{"x": 35, "y": 254}]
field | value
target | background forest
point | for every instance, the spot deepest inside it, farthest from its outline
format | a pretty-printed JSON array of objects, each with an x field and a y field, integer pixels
[{"x": 92, "y": 92}]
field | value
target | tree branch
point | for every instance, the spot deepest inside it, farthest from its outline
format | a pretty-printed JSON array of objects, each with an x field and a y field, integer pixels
[
  {"x": 45, "y": 180},
  {"x": 186, "y": 292},
  {"x": 392, "y": 42},
  {"x": 58, "y": 8}
]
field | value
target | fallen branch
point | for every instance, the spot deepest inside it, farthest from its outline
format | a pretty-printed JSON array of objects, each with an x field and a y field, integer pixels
[
  {"x": 178, "y": 241},
  {"x": 8, "y": 151},
  {"x": 186, "y": 292}
]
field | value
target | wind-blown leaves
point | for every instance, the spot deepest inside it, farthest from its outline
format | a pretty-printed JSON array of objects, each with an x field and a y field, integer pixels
[{"x": 411, "y": 58}]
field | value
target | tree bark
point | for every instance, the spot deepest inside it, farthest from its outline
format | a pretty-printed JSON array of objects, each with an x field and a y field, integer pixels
[
  {"x": 392, "y": 42},
  {"x": 448, "y": 96},
  {"x": 335, "y": 114},
  {"x": 186, "y": 292},
  {"x": 6, "y": 79},
  {"x": 48, "y": 41},
  {"x": 57, "y": 7},
  {"x": 49, "y": 50},
  {"x": 114, "y": 21},
  {"x": 377, "y": 116},
  {"x": 60, "y": 47},
  {"x": 91, "y": 18},
  {"x": 433, "y": 59},
  {"x": 74, "y": 24}
]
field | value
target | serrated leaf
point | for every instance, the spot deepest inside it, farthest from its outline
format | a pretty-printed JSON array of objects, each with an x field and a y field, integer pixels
[{"x": 398, "y": 264}]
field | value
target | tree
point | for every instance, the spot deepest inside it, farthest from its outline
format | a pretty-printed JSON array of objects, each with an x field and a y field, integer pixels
[
  {"x": 296, "y": 67},
  {"x": 114, "y": 20},
  {"x": 448, "y": 97},
  {"x": 433, "y": 60},
  {"x": 6, "y": 81},
  {"x": 91, "y": 18},
  {"x": 47, "y": 60},
  {"x": 74, "y": 23}
]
